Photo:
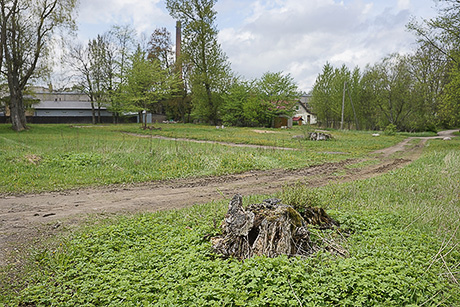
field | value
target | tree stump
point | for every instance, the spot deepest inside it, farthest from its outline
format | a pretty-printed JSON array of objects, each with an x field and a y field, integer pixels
[
  {"x": 269, "y": 229},
  {"x": 319, "y": 136}
]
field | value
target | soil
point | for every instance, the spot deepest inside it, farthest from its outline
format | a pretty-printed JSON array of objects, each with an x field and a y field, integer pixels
[{"x": 26, "y": 220}]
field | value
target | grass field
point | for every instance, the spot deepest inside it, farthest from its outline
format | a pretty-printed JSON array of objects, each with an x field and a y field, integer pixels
[
  {"x": 56, "y": 157},
  {"x": 403, "y": 243}
]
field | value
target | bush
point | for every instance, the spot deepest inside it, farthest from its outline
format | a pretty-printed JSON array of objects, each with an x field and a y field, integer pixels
[
  {"x": 431, "y": 128},
  {"x": 390, "y": 130}
]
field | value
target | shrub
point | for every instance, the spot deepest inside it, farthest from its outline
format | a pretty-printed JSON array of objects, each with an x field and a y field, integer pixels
[{"x": 390, "y": 129}]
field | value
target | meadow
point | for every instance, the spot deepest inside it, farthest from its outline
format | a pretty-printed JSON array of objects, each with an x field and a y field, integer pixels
[
  {"x": 57, "y": 157},
  {"x": 402, "y": 238}
]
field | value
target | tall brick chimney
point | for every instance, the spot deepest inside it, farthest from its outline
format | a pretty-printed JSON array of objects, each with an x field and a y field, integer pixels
[{"x": 178, "y": 46}]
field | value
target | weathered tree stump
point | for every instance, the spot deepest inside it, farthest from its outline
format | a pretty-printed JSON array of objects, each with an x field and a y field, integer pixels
[
  {"x": 269, "y": 229},
  {"x": 319, "y": 136}
]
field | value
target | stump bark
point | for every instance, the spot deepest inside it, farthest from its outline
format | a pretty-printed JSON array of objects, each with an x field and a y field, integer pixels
[
  {"x": 269, "y": 229},
  {"x": 319, "y": 136}
]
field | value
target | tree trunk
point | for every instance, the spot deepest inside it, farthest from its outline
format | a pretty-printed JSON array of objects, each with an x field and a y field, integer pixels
[
  {"x": 17, "y": 109},
  {"x": 141, "y": 117},
  {"x": 93, "y": 113}
]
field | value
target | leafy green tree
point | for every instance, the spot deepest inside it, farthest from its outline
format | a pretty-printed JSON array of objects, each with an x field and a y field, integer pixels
[
  {"x": 258, "y": 102},
  {"x": 369, "y": 113},
  {"x": 449, "y": 108},
  {"x": 232, "y": 108},
  {"x": 242, "y": 105},
  {"x": 443, "y": 34},
  {"x": 328, "y": 94},
  {"x": 147, "y": 84},
  {"x": 322, "y": 99},
  {"x": 27, "y": 28},
  {"x": 429, "y": 68},
  {"x": 278, "y": 94},
  {"x": 121, "y": 45},
  {"x": 390, "y": 88},
  {"x": 209, "y": 68}
]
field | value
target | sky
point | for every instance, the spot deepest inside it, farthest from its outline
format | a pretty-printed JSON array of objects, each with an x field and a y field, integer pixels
[{"x": 296, "y": 37}]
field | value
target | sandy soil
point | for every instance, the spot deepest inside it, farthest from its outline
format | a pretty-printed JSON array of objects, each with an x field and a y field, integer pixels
[{"x": 27, "y": 219}]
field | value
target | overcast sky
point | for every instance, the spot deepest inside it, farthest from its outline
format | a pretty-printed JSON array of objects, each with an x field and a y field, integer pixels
[{"x": 293, "y": 36}]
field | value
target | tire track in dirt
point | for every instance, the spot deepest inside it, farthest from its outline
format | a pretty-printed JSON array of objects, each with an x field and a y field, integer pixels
[{"x": 27, "y": 219}]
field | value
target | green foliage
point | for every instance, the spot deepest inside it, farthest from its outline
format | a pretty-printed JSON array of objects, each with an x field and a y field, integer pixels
[
  {"x": 257, "y": 103},
  {"x": 390, "y": 129},
  {"x": 327, "y": 96},
  {"x": 242, "y": 106},
  {"x": 450, "y": 106},
  {"x": 209, "y": 70},
  {"x": 279, "y": 94},
  {"x": 147, "y": 84},
  {"x": 415, "y": 92}
]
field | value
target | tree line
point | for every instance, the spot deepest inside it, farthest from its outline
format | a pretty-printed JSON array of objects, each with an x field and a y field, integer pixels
[
  {"x": 414, "y": 92},
  {"x": 418, "y": 91}
]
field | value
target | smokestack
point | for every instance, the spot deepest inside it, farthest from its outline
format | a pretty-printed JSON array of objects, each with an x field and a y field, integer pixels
[{"x": 178, "y": 46}]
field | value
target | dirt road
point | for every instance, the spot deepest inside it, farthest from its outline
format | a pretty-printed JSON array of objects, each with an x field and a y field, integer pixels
[{"x": 26, "y": 218}]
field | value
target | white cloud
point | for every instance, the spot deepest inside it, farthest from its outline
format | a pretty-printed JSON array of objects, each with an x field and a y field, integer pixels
[
  {"x": 403, "y": 4},
  {"x": 99, "y": 15},
  {"x": 299, "y": 37}
]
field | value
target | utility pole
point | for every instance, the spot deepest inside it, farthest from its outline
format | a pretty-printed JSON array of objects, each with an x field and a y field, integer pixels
[
  {"x": 343, "y": 104},
  {"x": 354, "y": 112}
]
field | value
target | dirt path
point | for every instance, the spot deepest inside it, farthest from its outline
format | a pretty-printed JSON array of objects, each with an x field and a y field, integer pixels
[
  {"x": 209, "y": 142},
  {"x": 26, "y": 218}
]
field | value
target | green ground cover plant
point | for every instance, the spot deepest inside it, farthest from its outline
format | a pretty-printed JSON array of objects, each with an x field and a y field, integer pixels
[
  {"x": 402, "y": 243},
  {"x": 56, "y": 157}
]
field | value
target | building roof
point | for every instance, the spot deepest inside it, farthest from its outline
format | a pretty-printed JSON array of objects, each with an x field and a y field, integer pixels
[
  {"x": 65, "y": 105},
  {"x": 303, "y": 102}
]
